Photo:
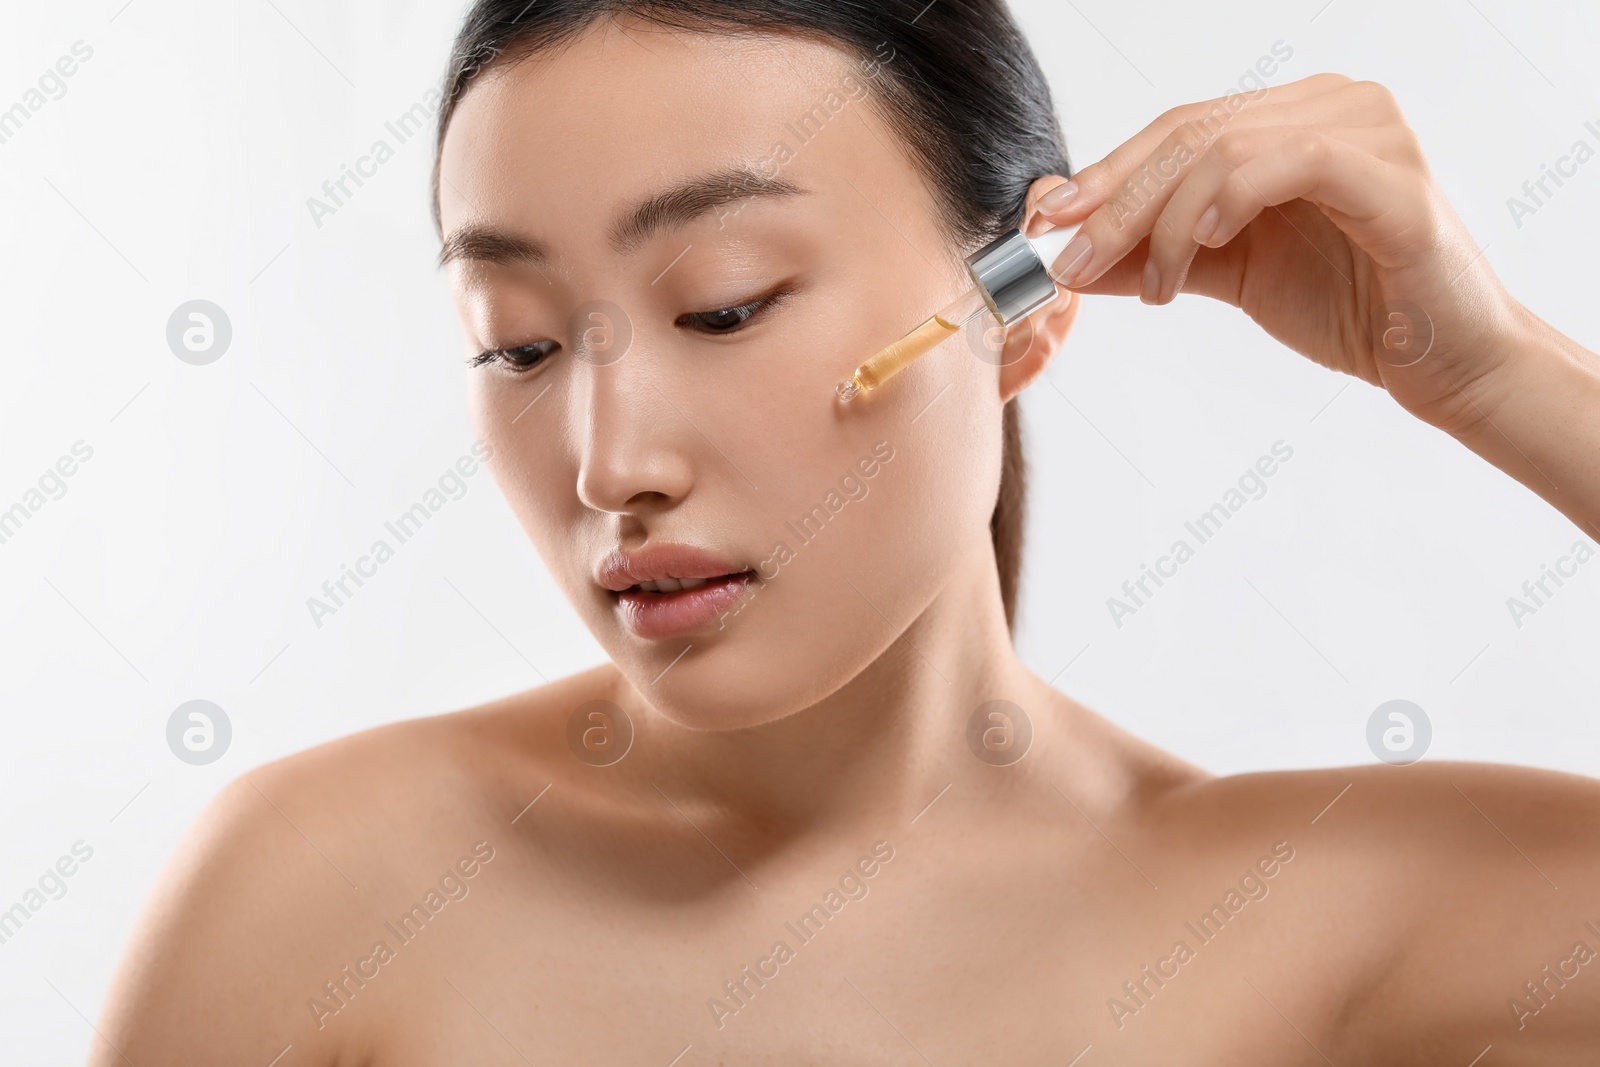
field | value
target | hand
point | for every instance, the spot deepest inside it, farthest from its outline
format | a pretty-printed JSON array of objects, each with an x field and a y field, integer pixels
[{"x": 1310, "y": 207}]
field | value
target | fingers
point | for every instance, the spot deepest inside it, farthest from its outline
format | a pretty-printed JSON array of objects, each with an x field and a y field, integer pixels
[
  {"x": 1110, "y": 172},
  {"x": 1120, "y": 222},
  {"x": 1101, "y": 181},
  {"x": 1203, "y": 185},
  {"x": 1249, "y": 171}
]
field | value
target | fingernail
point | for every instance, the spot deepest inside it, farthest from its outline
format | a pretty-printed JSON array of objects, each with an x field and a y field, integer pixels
[
  {"x": 1073, "y": 259},
  {"x": 1150, "y": 289},
  {"x": 1207, "y": 225},
  {"x": 1059, "y": 197}
]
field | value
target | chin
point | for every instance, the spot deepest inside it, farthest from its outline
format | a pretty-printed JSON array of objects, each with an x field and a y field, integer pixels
[
  {"x": 757, "y": 669},
  {"x": 732, "y": 685}
]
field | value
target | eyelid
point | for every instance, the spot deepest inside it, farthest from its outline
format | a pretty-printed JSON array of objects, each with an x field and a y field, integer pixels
[
  {"x": 769, "y": 300},
  {"x": 496, "y": 357}
]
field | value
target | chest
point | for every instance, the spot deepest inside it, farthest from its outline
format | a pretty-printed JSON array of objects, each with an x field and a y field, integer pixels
[{"x": 920, "y": 962}]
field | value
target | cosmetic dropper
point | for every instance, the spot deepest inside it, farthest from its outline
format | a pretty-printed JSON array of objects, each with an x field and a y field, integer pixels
[{"x": 1013, "y": 280}]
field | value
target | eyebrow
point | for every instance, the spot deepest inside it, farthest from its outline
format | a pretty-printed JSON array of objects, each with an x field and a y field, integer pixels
[{"x": 674, "y": 206}]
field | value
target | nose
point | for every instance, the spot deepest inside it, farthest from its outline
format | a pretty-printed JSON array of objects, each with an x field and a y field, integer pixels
[{"x": 633, "y": 456}]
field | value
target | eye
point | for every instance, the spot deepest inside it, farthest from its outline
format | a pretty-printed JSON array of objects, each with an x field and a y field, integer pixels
[
  {"x": 729, "y": 320},
  {"x": 518, "y": 360}
]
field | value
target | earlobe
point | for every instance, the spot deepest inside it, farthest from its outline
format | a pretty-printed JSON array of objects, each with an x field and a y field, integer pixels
[{"x": 1031, "y": 343}]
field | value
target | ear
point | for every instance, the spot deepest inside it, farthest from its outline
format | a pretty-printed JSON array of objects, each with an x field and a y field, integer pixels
[{"x": 1030, "y": 344}]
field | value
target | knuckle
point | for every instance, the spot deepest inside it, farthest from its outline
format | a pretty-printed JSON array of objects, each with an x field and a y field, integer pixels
[
  {"x": 1232, "y": 148},
  {"x": 1179, "y": 147},
  {"x": 1210, "y": 119},
  {"x": 1181, "y": 116},
  {"x": 1400, "y": 144},
  {"x": 1311, "y": 147},
  {"x": 1171, "y": 117},
  {"x": 1375, "y": 95},
  {"x": 1234, "y": 196},
  {"x": 1375, "y": 89},
  {"x": 1155, "y": 128},
  {"x": 1411, "y": 148}
]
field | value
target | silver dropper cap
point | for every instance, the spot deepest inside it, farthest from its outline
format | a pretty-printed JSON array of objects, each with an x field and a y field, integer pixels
[{"x": 1013, "y": 271}]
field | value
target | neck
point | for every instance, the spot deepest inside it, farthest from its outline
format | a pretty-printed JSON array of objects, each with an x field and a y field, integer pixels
[{"x": 882, "y": 746}]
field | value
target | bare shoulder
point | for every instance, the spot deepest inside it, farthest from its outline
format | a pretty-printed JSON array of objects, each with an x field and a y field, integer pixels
[
  {"x": 1477, "y": 814},
  {"x": 1455, "y": 900},
  {"x": 277, "y": 882}
]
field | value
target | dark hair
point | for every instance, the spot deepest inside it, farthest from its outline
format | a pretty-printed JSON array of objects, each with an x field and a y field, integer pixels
[{"x": 956, "y": 81}]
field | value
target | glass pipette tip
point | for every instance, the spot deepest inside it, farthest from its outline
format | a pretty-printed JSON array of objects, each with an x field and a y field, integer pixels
[
  {"x": 940, "y": 326},
  {"x": 1016, "y": 276}
]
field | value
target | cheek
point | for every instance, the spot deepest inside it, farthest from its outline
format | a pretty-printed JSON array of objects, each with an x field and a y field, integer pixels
[
  {"x": 531, "y": 464},
  {"x": 853, "y": 580},
  {"x": 935, "y": 497},
  {"x": 777, "y": 405}
]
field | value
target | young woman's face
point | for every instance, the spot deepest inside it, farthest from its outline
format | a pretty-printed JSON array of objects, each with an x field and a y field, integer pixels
[{"x": 668, "y": 349}]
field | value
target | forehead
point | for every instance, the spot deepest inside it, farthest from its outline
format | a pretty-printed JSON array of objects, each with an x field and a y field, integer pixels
[{"x": 625, "y": 108}]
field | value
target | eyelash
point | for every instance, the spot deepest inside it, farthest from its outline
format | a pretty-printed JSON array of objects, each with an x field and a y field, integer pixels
[{"x": 506, "y": 356}]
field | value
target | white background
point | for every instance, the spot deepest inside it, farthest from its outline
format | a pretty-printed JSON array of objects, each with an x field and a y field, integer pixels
[{"x": 177, "y": 166}]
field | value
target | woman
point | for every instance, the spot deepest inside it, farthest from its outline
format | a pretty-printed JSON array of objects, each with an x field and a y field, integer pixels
[{"x": 815, "y": 809}]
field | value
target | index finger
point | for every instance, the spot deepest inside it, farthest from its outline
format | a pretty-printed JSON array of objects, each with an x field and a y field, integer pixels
[{"x": 1099, "y": 181}]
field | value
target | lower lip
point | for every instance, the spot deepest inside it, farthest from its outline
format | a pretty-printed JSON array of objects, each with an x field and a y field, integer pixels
[{"x": 657, "y": 615}]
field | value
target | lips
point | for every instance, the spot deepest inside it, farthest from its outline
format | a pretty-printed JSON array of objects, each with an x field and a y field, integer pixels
[{"x": 671, "y": 590}]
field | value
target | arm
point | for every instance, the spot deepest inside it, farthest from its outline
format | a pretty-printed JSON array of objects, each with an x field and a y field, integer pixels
[
  {"x": 1540, "y": 419},
  {"x": 1421, "y": 904},
  {"x": 1503, "y": 876},
  {"x": 226, "y": 950}
]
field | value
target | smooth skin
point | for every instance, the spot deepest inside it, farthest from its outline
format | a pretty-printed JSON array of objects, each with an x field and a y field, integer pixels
[{"x": 817, "y": 744}]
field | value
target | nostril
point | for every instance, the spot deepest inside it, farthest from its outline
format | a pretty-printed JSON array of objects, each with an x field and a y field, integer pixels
[{"x": 633, "y": 454}]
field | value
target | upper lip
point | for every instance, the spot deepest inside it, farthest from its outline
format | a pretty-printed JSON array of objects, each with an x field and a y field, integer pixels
[{"x": 621, "y": 569}]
